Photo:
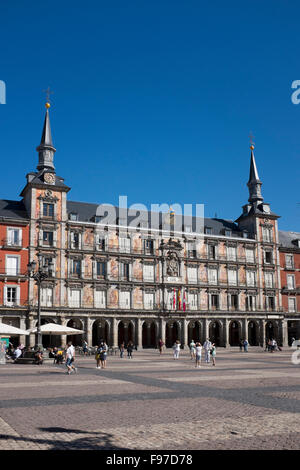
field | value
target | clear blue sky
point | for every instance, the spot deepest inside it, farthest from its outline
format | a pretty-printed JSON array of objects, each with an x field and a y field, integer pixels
[{"x": 155, "y": 100}]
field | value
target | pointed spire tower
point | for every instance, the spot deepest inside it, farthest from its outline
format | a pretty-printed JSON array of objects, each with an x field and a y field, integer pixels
[
  {"x": 46, "y": 149},
  {"x": 254, "y": 183}
]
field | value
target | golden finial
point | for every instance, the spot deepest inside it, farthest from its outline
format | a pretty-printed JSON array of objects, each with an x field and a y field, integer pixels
[{"x": 251, "y": 141}]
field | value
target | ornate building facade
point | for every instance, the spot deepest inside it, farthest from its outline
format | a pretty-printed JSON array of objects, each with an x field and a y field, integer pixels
[{"x": 119, "y": 278}]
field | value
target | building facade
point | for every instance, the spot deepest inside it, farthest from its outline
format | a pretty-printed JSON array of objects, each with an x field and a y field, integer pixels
[
  {"x": 14, "y": 241},
  {"x": 119, "y": 276}
]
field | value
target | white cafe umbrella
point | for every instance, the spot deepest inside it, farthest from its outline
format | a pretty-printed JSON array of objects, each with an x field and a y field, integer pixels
[
  {"x": 54, "y": 329},
  {"x": 8, "y": 330}
]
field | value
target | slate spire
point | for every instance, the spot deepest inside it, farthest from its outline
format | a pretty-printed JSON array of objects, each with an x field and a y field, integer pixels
[
  {"x": 45, "y": 149},
  {"x": 254, "y": 183}
]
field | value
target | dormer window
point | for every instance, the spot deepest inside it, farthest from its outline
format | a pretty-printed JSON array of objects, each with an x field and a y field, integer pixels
[
  {"x": 208, "y": 230},
  {"x": 297, "y": 242},
  {"x": 228, "y": 233},
  {"x": 73, "y": 216}
]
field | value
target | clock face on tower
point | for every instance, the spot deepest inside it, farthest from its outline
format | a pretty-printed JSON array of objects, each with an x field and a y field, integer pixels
[{"x": 49, "y": 178}]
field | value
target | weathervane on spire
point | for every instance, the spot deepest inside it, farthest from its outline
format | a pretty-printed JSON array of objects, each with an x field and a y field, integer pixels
[
  {"x": 251, "y": 137},
  {"x": 48, "y": 93}
]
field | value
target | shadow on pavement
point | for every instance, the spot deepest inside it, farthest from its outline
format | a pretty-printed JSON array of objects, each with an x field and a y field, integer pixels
[{"x": 98, "y": 440}]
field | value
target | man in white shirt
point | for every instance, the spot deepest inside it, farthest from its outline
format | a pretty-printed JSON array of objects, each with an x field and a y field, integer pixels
[
  {"x": 70, "y": 358},
  {"x": 207, "y": 347}
]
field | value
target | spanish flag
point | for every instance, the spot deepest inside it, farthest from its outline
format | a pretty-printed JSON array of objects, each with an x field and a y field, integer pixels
[{"x": 179, "y": 299}]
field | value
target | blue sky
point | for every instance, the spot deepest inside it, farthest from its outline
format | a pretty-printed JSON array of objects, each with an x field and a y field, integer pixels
[{"x": 155, "y": 100}]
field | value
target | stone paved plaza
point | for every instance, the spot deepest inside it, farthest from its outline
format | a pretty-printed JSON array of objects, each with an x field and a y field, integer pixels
[{"x": 248, "y": 401}]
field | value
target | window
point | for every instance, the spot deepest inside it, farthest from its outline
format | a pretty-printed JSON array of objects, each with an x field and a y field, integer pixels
[
  {"x": 11, "y": 296},
  {"x": 148, "y": 300},
  {"x": 76, "y": 267},
  {"x": 270, "y": 301},
  {"x": 234, "y": 301},
  {"x": 75, "y": 240},
  {"x": 192, "y": 274},
  {"x": 269, "y": 280},
  {"x": 47, "y": 238},
  {"x": 124, "y": 271},
  {"x": 46, "y": 296},
  {"x": 250, "y": 302},
  {"x": 290, "y": 281},
  {"x": 73, "y": 216},
  {"x": 228, "y": 233},
  {"x": 232, "y": 277},
  {"x": 267, "y": 234},
  {"x": 212, "y": 276},
  {"x": 214, "y": 301},
  {"x": 231, "y": 253},
  {"x": 14, "y": 237},
  {"x": 191, "y": 249},
  {"x": 250, "y": 255},
  {"x": 289, "y": 261},
  {"x": 208, "y": 230},
  {"x": 149, "y": 245},
  {"x": 250, "y": 278},
  {"x": 193, "y": 299},
  {"x": 124, "y": 244},
  {"x": 101, "y": 268},
  {"x": 100, "y": 243},
  {"x": 12, "y": 265},
  {"x": 124, "y": 299},
  {"x": 74, "y": 297},
  {"x": 211, "y": 251},
  {"x": 100, "y": 298},
  {"x": 292, "y": 304},
  {"x": 268, "y": 257},
  {"x": 48, "y": 210},
  {"x": 148, "y": 272}
]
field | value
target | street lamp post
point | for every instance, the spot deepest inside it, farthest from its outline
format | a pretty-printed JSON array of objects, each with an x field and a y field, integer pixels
[{"x": 39, "y": 275}]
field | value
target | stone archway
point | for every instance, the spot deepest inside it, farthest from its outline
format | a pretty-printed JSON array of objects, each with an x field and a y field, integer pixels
[
  {"x": 253, "y": 333},
  {"x": 234, "y": 333},
  {"x": 272, "y": 331},
  {"x": 100, "y": 332},
  {"x": 172, "y": 333},
  {"x": 215, "y": 332},
  {"x": 194, "y": 331},
  {"x": 149, "y": 332},
  {"x": 77, "y": 324}
]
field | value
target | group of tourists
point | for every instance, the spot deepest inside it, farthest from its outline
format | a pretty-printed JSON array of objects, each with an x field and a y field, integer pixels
[
  {"x": 272, "y": 345},
  {"x": 244, "y": 345},
  {"x": 210, "y": 351},
  {"x": 209, "y": 348}
]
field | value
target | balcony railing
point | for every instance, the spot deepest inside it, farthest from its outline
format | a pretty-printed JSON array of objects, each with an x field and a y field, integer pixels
[
  {"x": 13, "y": 272},
  {"x": 13, "y": 244}
]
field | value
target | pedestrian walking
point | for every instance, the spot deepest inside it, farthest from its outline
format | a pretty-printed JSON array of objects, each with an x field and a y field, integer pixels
[
  {"x": 103, "y": 355},
  {"x": 130, "y": 347},
  {"x": 193, "y": 349},
  {"x": 176, "y": 349},
  {"x": 70, "y": 358},
  {"x": 241, "y": 345},
  {"x": 122, "y": 350},
  {"x": 207, "y": 347},
  {"x": 85, "y": 348},
  {"x": 246, "y": 344},
  {"x": 198, "y": 354},
  {"x": 161, "y": 346},
  {"x": 213, "y": 352}
]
